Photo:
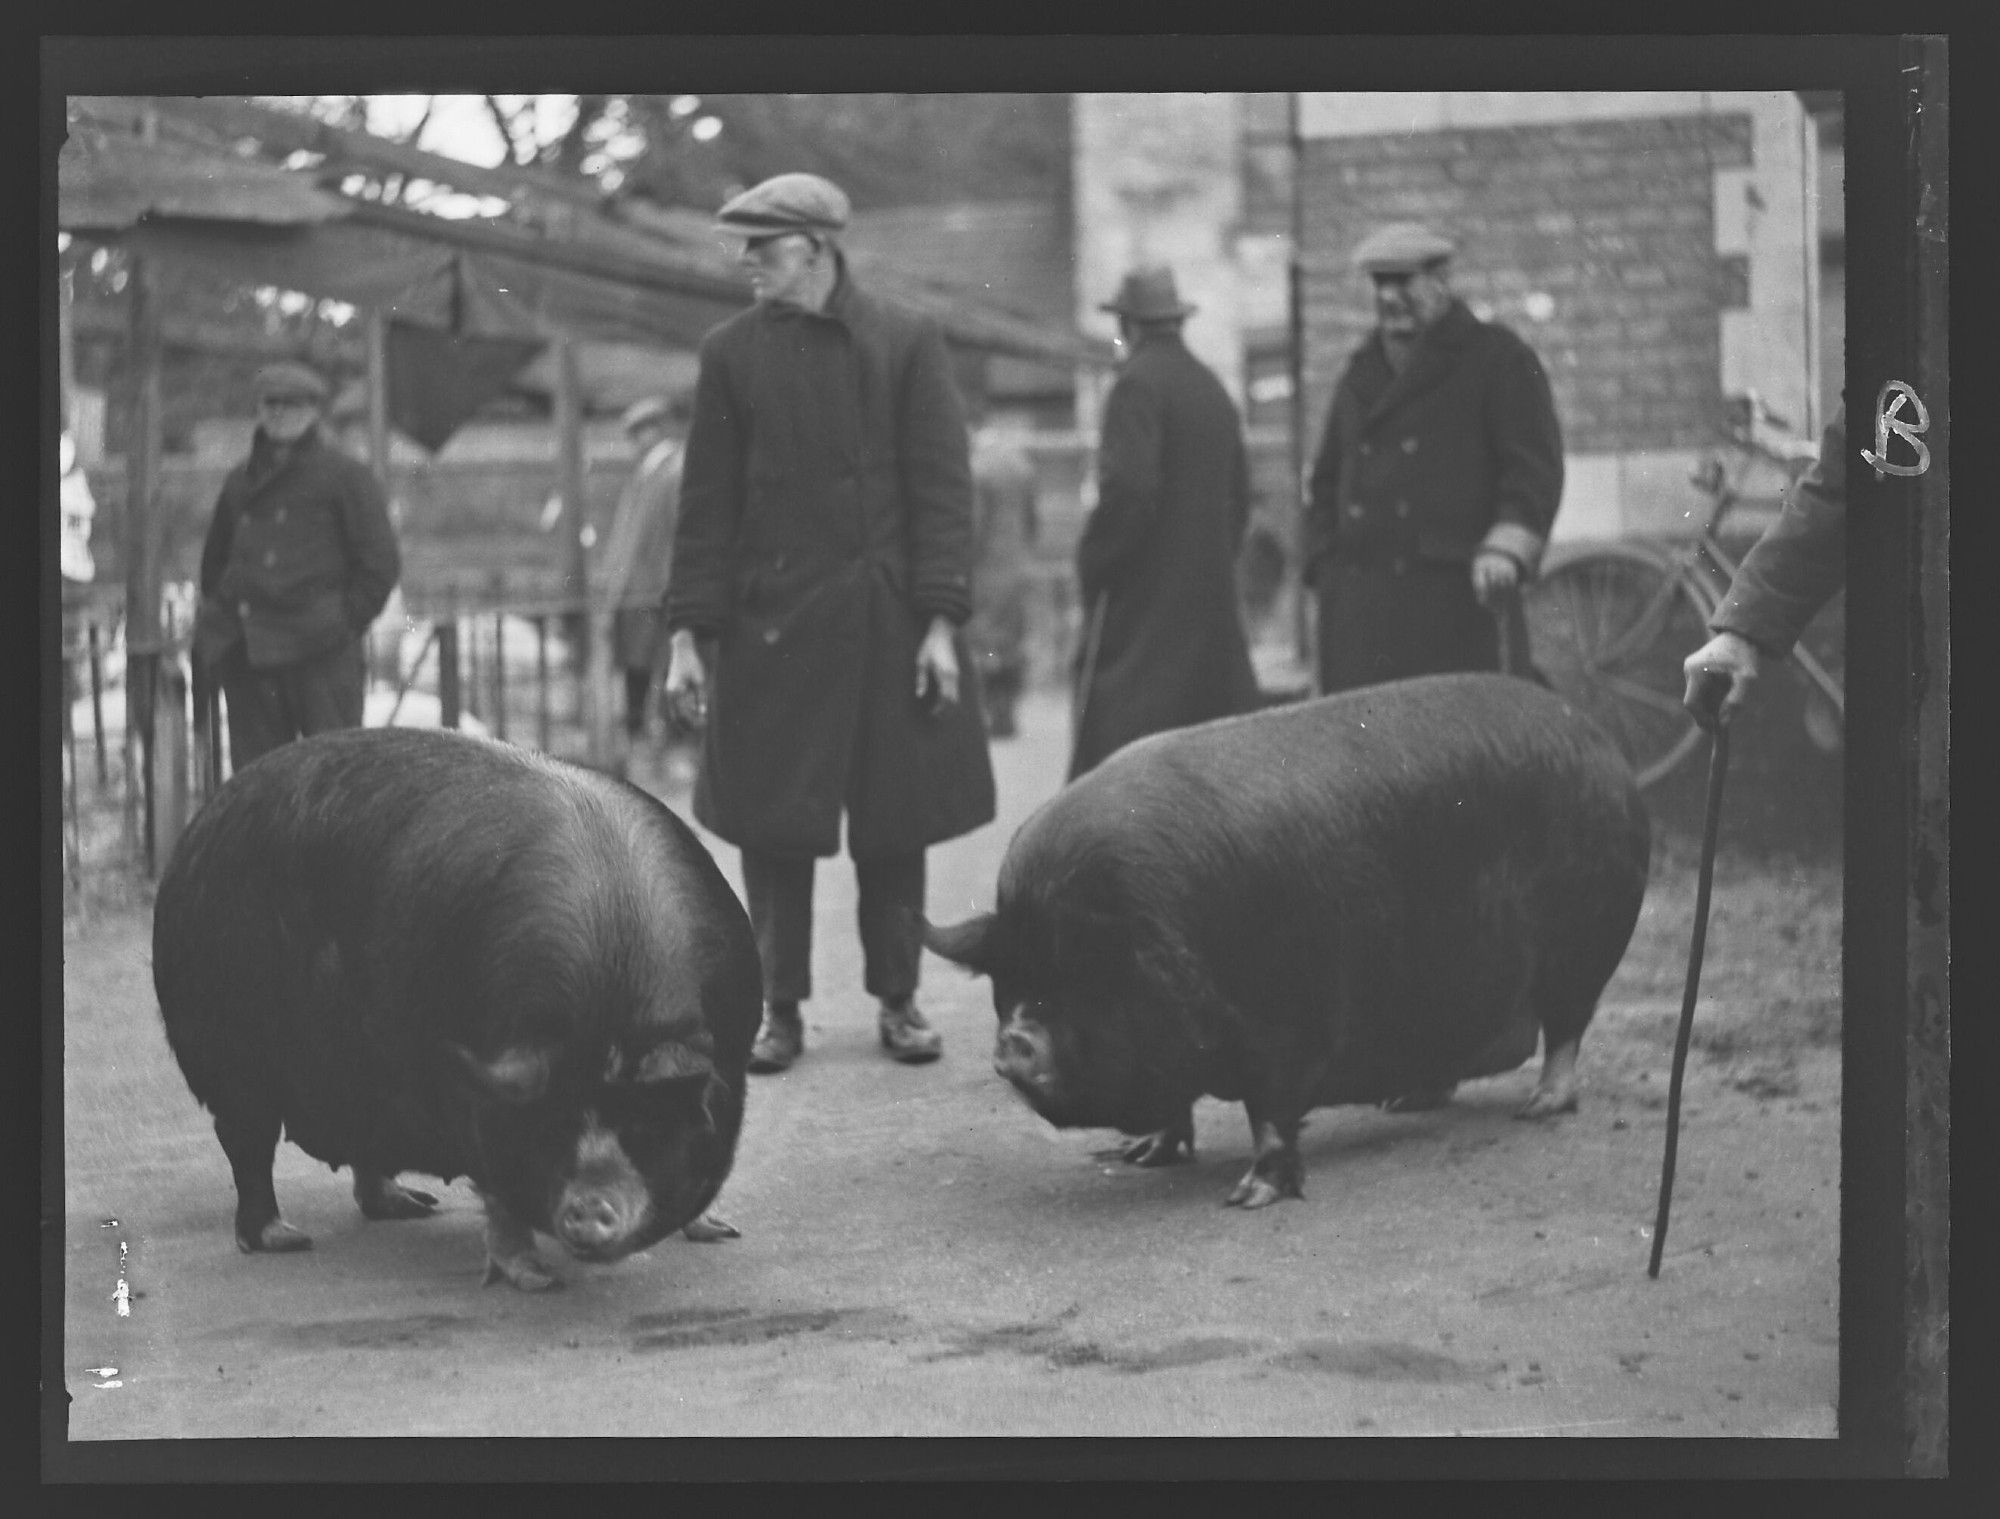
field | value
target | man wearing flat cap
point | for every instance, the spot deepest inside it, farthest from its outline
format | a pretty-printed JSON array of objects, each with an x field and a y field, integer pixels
[
  {"x": 298, "y": 560},
  {"x": 821, "y": 577},
  {"x": 1164, "y": 645},
  {"x": 1438, "y": 477}
]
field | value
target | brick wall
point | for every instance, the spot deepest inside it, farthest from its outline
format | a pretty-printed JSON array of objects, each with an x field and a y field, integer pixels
[{"x": 1607, "y": 227}]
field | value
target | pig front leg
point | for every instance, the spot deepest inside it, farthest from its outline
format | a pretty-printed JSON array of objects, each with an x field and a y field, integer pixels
[
  {"x": 1164, "y": 1147},
  {"x": 510, "y": 1249}
]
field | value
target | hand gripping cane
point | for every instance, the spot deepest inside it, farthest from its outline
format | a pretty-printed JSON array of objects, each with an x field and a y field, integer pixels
[{"x": 1705, "y": 705}]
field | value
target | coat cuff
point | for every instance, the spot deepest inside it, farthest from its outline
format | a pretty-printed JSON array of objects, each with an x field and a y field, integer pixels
[{"x": 1521, "y": 544}]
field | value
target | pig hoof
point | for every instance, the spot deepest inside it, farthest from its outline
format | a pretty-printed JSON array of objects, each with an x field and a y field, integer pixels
[
  {"x": 1546, "y": 1104},
  {"x": 1420, "y": 1101},
  {"x": 385, "y": 1199},
  {"x": 708, "y": 1228},
  {"x": 524, "y": 1271},
  {"x": 277, "y": 1237},
  {"x": 1253, "y": 1191},
  {"x": 1161, "y": 1149}
]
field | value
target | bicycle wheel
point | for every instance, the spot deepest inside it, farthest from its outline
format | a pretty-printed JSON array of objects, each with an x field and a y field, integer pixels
[{"x": 1609, "y": 624}]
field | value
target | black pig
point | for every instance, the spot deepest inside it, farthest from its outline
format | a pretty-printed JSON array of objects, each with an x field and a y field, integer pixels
[
  {"x": 1363, "y": 898},
  {"x": 420, "y": 951}
]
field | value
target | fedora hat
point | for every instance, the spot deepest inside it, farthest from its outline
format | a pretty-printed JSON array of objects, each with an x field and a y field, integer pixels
[{"x": 1148, "y": 295}]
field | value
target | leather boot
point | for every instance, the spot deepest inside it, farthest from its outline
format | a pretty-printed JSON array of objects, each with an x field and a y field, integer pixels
[
  {"x": 780, "y": 1040},
  {"x": 906, "y": 1035}
]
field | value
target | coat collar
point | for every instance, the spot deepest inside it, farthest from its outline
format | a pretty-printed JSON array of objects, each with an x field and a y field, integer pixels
[
  {"x": 268, "y": 460},
  {"x": 1433, "y": 359}
]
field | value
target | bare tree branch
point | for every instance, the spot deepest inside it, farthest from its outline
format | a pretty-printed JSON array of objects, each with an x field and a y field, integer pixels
[{"x": 516, "y": 152}]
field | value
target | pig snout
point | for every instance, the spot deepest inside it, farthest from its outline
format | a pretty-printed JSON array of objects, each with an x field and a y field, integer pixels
[
  {"x": 592, "y": 1223},
  {"x": 1022, "y": 1053}
]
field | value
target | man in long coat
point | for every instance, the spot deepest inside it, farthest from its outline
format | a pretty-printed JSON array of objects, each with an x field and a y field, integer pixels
[
  {"x": 1438, "y": 476},
  {"x": 1164, "y": 645},
  {"x": 299, "y": 559},
  {"x": 822, "y": 570}
]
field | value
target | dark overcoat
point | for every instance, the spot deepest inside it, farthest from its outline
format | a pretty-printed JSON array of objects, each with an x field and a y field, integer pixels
[
  {"x": 299, "y": 557},
  {"x": 1416, "y": 473},
  {"x": 825, "y": 519},
  {"x": 1159, "y": 551}
]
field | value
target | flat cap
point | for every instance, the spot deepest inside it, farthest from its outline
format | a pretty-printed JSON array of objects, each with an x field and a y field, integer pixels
[
  {"x": 786, "y": 203},
  {"x": 289, "y": 381},
  {"x": 1401, "y": 248}
]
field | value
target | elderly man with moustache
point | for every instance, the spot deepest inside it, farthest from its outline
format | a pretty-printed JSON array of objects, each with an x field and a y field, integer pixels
[
  {"x": 821, "y": 577},
  {"x": 299, "y": 559},
  {"x": 1437, "y": 481}
]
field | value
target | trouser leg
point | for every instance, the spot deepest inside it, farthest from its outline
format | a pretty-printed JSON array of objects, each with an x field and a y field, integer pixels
[
  {"x": 778, "y": 890},
  {"x": 259, "y": 717},
  {"x": 327, "y": 692},
  {"x": 891, "y": 898},
  {"x": 636, "y": 683}
]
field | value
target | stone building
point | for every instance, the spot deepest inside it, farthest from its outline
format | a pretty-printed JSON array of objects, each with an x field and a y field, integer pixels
[{"x": 1661, "y": 250}]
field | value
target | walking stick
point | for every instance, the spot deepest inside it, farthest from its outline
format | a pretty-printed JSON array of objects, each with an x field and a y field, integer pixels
[
  {"x": 1707, "y": 696},
  {"x": 1080, "y": 703}
]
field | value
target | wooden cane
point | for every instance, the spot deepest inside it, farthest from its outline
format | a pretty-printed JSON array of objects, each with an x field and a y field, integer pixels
[{"x": 1706, "y": 698}]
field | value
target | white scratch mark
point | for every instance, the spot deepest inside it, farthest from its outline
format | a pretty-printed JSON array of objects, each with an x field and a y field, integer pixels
[
  {"x": 1543, "y": 1429},
  {"x": 122, "y": 1294}
]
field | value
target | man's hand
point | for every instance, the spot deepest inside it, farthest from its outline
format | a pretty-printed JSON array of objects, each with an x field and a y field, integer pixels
[
  {"x": 687, "y": 681},
  {"x": 937, "y": 664},
  {"x": 1726, "y": 657},
  {"x": 1495, "y": 576}
]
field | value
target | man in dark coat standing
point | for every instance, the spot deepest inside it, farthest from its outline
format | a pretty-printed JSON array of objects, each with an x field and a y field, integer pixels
[
  {"x": 1438, "y": 477},
  {"x": 1164, "y": 645},
  {"x": 822, "y": 572},
  {"x": 299, "y": 559}
]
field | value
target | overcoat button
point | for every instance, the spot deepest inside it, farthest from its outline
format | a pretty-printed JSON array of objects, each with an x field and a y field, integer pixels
[
  {"x": 770, "y": 635},
  {"x": 1402, "y": 508},
  {"x": 270, "y": 557},
  {"x": 1409, "y": 445},
  {"x": 1354, "y": 509}
]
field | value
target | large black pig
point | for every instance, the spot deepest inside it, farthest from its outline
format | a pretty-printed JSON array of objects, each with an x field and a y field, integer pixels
[
  {"x": 421, "y": 951},
  {"x": 1365, "y": 898}
]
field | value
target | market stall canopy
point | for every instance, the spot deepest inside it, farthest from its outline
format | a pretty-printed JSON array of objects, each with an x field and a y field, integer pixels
[
  {"x": 454, "y": 338},
  {"x": 613, "y": 272}
]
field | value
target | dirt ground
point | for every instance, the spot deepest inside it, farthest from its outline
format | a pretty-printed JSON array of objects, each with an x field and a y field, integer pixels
[{"x": 922, "y": 1256}]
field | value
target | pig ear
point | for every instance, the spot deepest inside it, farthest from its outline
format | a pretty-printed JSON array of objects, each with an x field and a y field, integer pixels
[
  {"x": 517, "y": 1075},
  {"x": 970, "y": 944},
  {"x": 672, "y": 1061}
]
